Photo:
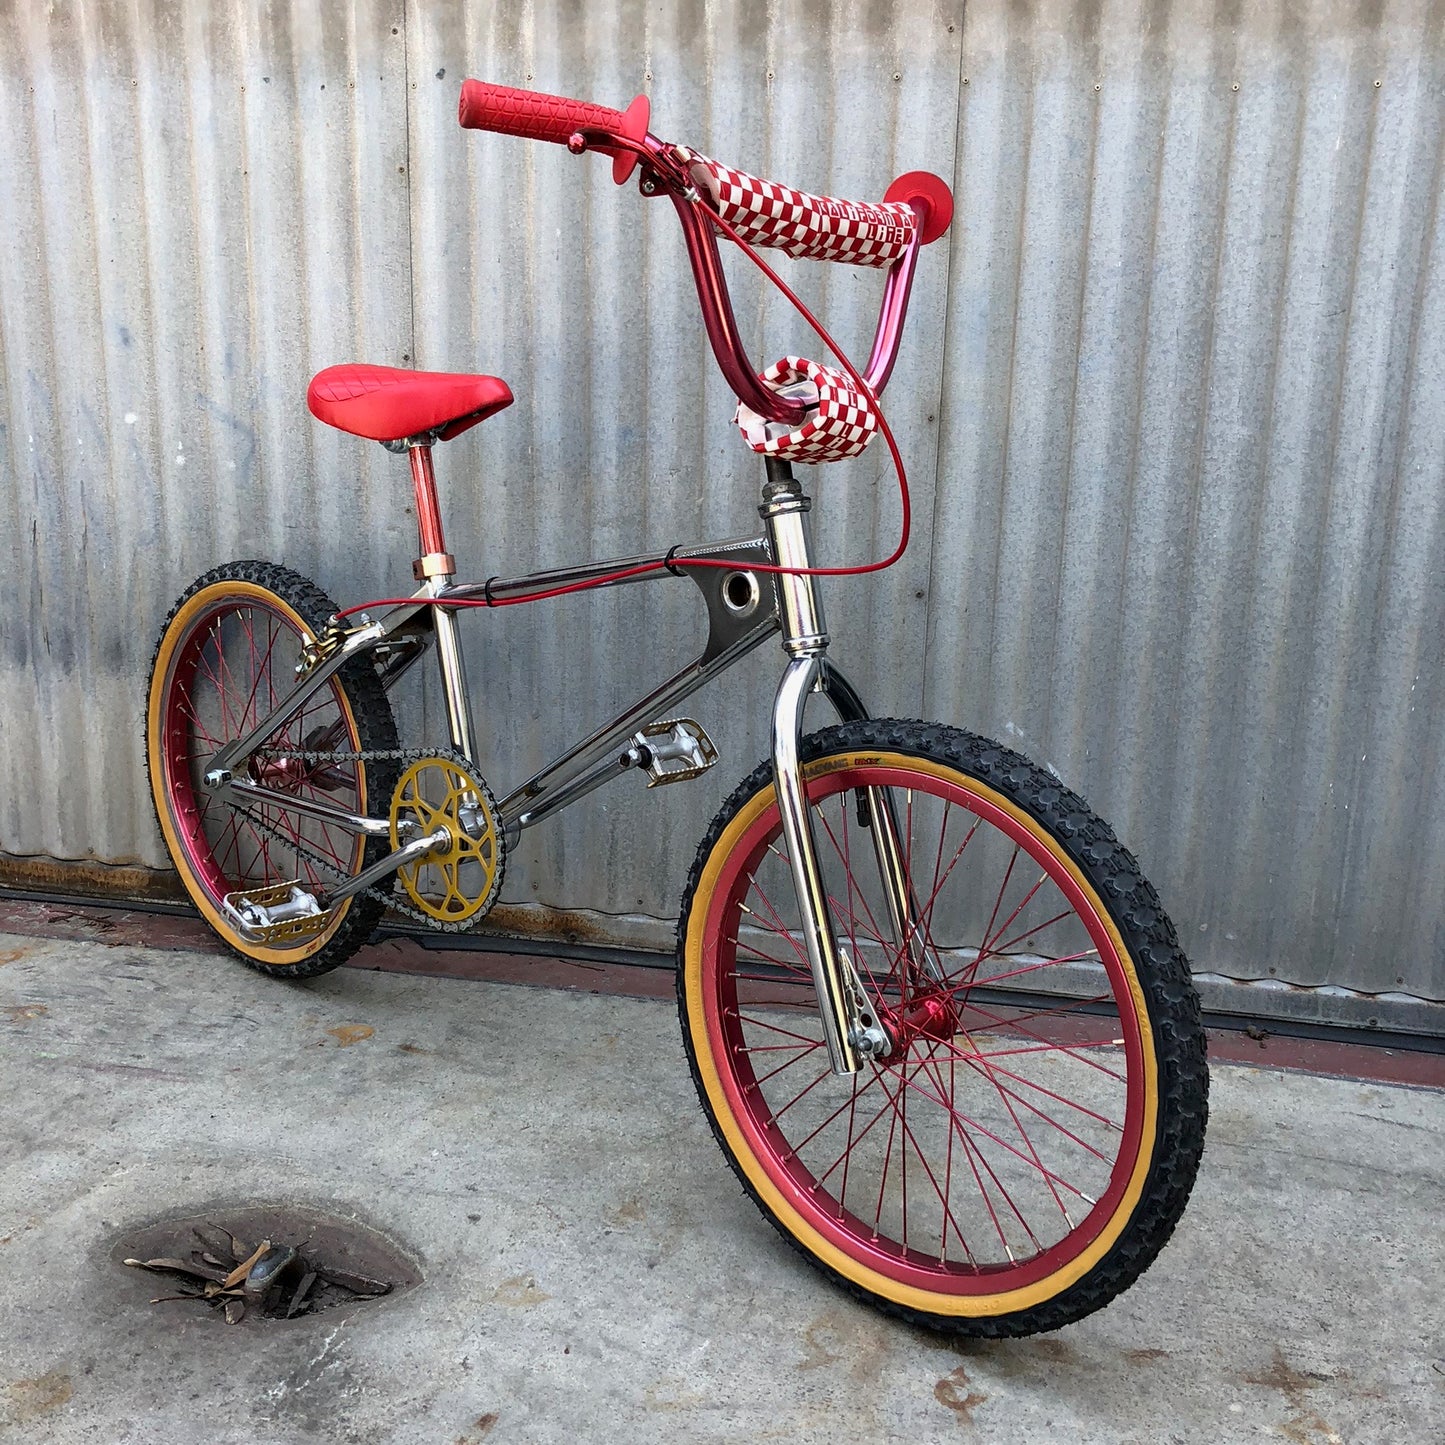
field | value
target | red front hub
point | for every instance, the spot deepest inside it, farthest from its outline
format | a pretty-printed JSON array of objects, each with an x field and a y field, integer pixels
[{"x": 934, "y": 1016}]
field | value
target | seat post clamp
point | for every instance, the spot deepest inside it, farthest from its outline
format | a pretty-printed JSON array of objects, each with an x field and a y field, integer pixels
[{"x": 434, "y": 564}]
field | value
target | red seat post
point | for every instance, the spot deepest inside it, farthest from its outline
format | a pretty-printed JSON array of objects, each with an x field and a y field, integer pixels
[{"x": 435, "y": 560}]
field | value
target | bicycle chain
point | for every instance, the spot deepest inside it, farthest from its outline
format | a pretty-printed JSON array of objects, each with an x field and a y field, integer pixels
[{"x": 405, "y": 756}]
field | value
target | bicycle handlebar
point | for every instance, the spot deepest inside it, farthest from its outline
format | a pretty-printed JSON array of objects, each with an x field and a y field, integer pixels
[
  {"x": 531, "y": 114},
  {"x": 580, "y": 125},
  {"x": 534, "y": 115}
]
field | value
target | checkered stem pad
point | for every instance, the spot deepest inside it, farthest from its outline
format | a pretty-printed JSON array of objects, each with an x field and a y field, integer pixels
[
  {"x": 841, "y": 426},
  {"x": 765, "y": 213}
]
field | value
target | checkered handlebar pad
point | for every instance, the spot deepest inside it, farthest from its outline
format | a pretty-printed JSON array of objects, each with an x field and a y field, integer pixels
[
  {"x": 840, "y": 423},
  {"x": 765, "y": 213}
]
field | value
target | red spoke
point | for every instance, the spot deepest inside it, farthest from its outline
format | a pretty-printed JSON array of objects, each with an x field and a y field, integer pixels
[
  {"x": 263, "y": 852},
  {"x": 270, "y": 869},
  {"x": 833, "y": 900},
  {"x": 943, "y": 1198},
  {"x": 988, "y": 943},
  {"x": 847, "y": 1155},
  {"x": 989, "y": 1134},
  {"x": 770, "y": 1048},
  {"x": 917, "y": 927},
  {"x": 920, "y": 930},
  {"x": 853, "y": 1140},
  {"x": 265, "y": 667},
  {"x": 798, "y": 1097},
  {"x": 968, "y": 1151},
  {"x": 763, "y": 1024},
  {"x": 1008, "y": 1198},
  {"x": 220, "y": 853},
  {"x": 1070, "y": 1005},
  {"x": 876, "y": 929},
  {"x": 787, "y": 1063},
  {"x": 255, "y": 676},
  {"x": 1048, "y": 1048},
  {"x": 887, "y": 1160},
  {"x": 854, "y": 922},
  {"x": 926, "y": 917},
  {"x": 779, "y": 929},
  {"x": 201, "y": 663},
  {"x": 790, "y": 966},
  {"x": 978, "y": 1061},
  {"x": 1068, "y": 1049},
  {"x": 1002, "y": 950},
  {"x": 323, "y": 699},
  {"x": 229, "y": 684},
  {"x": 938, "y": 857},
  {"x": 974, "y": 983},
  {"x": 1047, "y": 1118},
  {"x": 948, "y": 1154},
  {"x": 324, "y": 844},
  {"x": 998, "y": 902},
  {"x": 1024, "y": 1135},
  {"x": 187, "y": 709},
  {"x": 903, "y": 1159}
]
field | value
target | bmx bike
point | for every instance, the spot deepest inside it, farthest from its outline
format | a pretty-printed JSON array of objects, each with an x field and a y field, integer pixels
[{"x": 939, "y": 1022}]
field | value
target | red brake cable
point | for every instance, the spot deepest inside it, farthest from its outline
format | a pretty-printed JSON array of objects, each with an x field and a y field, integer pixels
[{"x": 682, "y": 564}]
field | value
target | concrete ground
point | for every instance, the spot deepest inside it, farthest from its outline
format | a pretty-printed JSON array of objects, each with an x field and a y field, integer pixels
[{"x": 592, "y": 1271}]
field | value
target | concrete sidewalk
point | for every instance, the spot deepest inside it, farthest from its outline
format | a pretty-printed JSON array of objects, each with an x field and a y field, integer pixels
[{"x": 593, "y": 1272}]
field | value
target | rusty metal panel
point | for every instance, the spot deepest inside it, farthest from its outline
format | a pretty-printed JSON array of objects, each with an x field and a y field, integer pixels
[
  {"x": 203, "y": 203},
  {"x": 1194, "y": 446},
  {"x": 1170, "y": 399}
]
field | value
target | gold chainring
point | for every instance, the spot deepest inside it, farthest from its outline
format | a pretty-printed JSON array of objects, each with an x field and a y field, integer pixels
[{"x": 460, "y": 879}]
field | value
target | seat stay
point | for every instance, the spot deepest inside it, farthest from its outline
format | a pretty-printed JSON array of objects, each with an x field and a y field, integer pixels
[{"x": 359, "y": 639}]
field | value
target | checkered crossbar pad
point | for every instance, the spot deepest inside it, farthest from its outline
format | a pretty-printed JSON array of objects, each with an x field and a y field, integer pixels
[
  {"x": 841, "y": 426},
  {"x": 766, "y": 214}
]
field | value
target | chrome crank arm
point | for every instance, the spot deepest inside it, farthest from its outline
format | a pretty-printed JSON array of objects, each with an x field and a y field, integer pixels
[{"x": 411, "y": 852}]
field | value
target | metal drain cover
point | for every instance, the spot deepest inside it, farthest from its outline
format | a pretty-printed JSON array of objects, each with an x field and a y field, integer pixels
[{"x": 263, "y": 1261}]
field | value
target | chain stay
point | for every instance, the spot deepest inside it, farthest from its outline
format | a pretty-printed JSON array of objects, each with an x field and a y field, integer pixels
[{"x": 367, "y": 755}]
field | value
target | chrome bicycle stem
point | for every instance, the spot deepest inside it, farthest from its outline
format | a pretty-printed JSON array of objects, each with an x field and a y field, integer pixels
[{"x": 851, "y": 1028}]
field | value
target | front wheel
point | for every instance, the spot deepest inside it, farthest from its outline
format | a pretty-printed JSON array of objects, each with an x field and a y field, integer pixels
[{"x": 1028, "y": 1147}]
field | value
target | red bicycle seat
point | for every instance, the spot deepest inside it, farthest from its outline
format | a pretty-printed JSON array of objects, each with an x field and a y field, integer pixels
[{"x": 386, "y": 404}]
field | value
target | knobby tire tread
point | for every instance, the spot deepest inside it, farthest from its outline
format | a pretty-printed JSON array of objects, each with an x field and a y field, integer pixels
[
  {"x": 1163, "y": 970},
  {"x": 376, "y": 730}
]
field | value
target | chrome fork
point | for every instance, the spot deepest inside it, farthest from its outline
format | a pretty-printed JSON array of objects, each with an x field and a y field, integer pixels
[{"x": 852, "y": 1029}]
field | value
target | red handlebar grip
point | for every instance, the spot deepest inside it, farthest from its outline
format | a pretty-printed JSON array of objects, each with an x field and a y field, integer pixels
[{"x": 531, "y": 114}]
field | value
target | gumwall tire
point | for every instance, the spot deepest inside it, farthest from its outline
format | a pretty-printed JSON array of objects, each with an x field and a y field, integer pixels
[
  {"x": 296, "y": 600},
  {"x": 1169, "y": 1016}
]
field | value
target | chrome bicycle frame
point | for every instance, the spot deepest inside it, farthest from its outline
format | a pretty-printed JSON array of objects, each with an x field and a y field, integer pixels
[{"x": 739, "y": 620}]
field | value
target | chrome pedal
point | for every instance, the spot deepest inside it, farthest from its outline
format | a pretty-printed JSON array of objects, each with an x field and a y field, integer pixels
[
  {"x": 282, "y": 913},
  {"x": 674, "y": 750}
]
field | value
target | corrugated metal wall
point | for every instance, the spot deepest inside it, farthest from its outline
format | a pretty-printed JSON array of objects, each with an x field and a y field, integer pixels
[{"x": 1171, "y": 399}]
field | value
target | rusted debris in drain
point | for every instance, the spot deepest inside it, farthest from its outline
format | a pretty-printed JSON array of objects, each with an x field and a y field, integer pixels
[
  {"x": 268, "y": 1263},
  {"x": 275, "y": 1279}
]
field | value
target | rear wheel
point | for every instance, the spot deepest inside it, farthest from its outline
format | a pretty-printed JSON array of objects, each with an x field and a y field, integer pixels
[
  {"x": 1028, "y": 1148},
  {"x": 226, "y": 655}
]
